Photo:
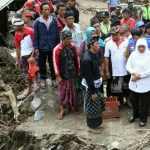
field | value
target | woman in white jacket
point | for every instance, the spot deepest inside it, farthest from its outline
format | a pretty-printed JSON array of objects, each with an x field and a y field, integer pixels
[{"x": 138, "y": 65}]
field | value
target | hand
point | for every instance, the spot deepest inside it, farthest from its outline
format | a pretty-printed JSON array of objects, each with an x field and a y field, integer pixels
[
  {"x": 36, "y": 52},
  {"x": 59, "y": 79},
  {"x": 32, "y": 60},
  {"x": 94, "y": 97},
  {"x": 133, "y": 79},
  {"x": 78, "y": 74},
  {"x": 17, "y": 64},
  {"x": 136, "y": 75},
  {"x": 107, "y": 74}
]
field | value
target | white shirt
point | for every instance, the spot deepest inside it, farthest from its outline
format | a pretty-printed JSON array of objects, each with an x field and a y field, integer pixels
[
  {"x": 140, "y": 64},
  {"x": 77, "y": 36},
  {"x": 118, "y": 59}
]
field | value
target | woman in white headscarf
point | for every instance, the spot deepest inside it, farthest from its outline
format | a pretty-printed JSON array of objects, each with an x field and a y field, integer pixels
[{"x": 138, "y": 65}]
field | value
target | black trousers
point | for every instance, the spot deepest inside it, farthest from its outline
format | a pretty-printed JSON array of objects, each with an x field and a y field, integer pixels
[
  {"x": 42, "y": 64},
  {"x": 144, "y": 104}
]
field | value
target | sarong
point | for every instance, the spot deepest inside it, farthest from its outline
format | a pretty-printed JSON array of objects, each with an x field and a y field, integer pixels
[
  {"x": 93, "y": 109},
  {"x": 67, "y": 94}
]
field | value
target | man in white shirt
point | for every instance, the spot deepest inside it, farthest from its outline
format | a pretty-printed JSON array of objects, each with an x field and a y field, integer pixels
[
  {"x": 114, "y": 50},
  {"x": 75, "y": 28},
  {"x": 126, "y": 31}
]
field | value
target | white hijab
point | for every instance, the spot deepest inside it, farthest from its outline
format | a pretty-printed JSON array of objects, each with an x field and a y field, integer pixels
[{"x": 142, "y": 42}]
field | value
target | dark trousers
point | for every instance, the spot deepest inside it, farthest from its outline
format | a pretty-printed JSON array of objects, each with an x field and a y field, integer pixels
[
  {"x": 144, "y": 104},
  {"x": 42, "y": 64}
]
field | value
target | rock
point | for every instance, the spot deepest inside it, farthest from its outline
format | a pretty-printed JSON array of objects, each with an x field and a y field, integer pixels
[
  {"x": 35, "y": 103},
  {"x": 39, "y": 114},
  {"x": 45, "y": 96},
  {"x": 51, "y": 103},
  {"x": 49, "y": 82},
  {"x": 60, "y": 147},
  {"x": 113, "y": 146}
]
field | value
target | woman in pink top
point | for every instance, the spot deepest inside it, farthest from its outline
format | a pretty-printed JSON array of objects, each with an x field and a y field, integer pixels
[{"x": 127, "y": 19}]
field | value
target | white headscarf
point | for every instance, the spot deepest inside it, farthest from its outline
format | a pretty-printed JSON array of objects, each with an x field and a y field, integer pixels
[{"x": 139, "y": 42}]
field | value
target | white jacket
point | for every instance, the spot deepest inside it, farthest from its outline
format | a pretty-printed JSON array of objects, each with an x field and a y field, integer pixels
[{"x": 139, "y": 63}]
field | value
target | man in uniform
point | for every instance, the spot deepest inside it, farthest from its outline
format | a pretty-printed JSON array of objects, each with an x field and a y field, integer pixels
[
  {"x": 133, "y": 9},
  {"x": 105, "y": 24},
  {"x": 117, "y": 13},
  {"x": 146, "y": 12}
]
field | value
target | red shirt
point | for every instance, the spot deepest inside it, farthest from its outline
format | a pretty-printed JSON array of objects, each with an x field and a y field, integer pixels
[
  {"x": 19, "y": 36},
  {"x": 131, "y": 22}
]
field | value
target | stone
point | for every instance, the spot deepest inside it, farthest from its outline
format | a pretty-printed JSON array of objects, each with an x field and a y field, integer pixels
[
  {"x": 51, "y": 103},
  {"x": 49, "y": 82},
  {"x": 35, "y": 103},
  {"x": 39, "y": 114},
  {"x": 60, "y": 147}
]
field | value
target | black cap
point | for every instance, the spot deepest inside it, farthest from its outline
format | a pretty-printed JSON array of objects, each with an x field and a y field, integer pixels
[
  {"x": 127, "y": 10},
  {"x": 93, "y": 40},
  {"x": 105, "y": 14},
  {"x": 66, "y": 34},
  {"x": 68, "y": 13}
]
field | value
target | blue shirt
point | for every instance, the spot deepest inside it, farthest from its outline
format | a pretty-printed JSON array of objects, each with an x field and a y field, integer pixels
[{"x": 113, "y": 3}]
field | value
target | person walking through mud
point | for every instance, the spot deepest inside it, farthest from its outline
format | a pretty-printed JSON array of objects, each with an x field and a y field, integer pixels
[
  {"x": 46, "y": 37},
  {"x": 138, "y": 66},
  {"x": 91, "y": 82},
  {"x": 24, "y": 51},
  {"x": 67, "y": 67}
]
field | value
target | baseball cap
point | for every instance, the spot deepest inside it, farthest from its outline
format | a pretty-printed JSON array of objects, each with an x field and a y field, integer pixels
[
  {"x": 105, "y": 14},
  {"x": 127, "y": 10},
  {"x": 27, "y": 13},
  {"x": 139, "y": 24},
  {"x": 17, "y": 21}
]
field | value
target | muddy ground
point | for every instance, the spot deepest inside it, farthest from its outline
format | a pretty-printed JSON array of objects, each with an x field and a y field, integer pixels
[{"x": 49, "y": 133}]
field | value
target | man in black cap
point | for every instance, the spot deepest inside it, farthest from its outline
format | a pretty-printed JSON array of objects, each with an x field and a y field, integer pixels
[
  {"x": 67, "y": 67},
  {"x": 105, "y": 24},
  {"x": 92, "y": 80},
  {"x": 75, "y": 28}
]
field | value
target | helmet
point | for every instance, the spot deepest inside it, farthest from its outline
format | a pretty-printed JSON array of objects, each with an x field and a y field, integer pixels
[{"x": 139, "y": 23}]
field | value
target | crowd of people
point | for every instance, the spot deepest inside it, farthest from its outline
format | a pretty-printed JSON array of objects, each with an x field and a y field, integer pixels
[{"x": 115, "y": 50}]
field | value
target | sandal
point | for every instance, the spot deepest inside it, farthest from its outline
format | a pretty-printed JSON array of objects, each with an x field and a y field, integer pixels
[
  {"x": 43, "y": 84},
  {"x": 75, "y": 111},
  {"x": 54, "y": 83},
  {"x": 95, "y": 131},
  {"x": 27, "y": 92},
  {"x": 131, "y": 119},
  {"x": 60, "y": 117},
  {"x": 36, "y": 89}
]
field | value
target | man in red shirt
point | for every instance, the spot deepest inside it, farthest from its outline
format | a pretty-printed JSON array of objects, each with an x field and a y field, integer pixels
[
  {"x": 127, "y": 19},
  {"x": 25, "y": 52}
]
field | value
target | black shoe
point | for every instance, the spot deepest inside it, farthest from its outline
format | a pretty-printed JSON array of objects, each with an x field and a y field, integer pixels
[
  {"x": 131, "y": 119},
  {"x": 141, "y": 124}
]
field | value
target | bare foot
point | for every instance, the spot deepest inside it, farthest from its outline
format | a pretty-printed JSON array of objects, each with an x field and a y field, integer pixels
[
  {"x": 61, "y": 115},
  {"x": 94, "y": 130}
]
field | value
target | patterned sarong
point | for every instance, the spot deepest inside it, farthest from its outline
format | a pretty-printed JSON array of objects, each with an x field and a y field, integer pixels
[
  {"x": 93, "y": 109},
  {"x": 67, "y": 93}
]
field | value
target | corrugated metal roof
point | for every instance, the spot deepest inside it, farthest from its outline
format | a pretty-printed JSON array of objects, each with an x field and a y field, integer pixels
[{"x": 4, "y": 3}]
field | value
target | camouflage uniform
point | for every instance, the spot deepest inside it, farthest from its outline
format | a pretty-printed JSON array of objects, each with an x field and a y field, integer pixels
[
  {"x": 115, "y": 14},
  {"x": 133, "y": 12}
]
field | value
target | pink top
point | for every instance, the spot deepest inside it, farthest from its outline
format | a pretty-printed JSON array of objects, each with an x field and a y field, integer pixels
[
  {"x": 60, "y": 27},
  {"x": 131, "y": 22}
]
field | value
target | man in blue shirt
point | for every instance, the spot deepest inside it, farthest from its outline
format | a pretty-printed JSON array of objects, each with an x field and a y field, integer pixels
[{"x": 112, "y": 4}]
